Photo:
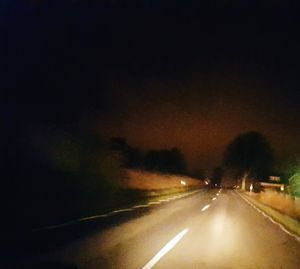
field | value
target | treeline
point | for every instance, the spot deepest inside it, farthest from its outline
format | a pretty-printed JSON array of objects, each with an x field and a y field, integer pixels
[
  {"x": 164, "y": 160},
  {"x": 249, "y": 159},
  {"x": 50, "y": 175}
]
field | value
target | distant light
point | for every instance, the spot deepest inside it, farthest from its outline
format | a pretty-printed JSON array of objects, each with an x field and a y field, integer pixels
[
  {"x": 182, "y": 182},
  {"x": 205, "y": 207},
  {"x": 251, "y": 187},
  {"x": 206, "y": 182},
  {"x": 282, "y": 188},
  {"x": 215, "y": 185},
  {"x": 214, "y": 198},
  {"x": 274, "y": 178}
]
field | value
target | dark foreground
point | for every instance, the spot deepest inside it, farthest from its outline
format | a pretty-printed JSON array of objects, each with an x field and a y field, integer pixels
[{"x": 191, "y": 232}]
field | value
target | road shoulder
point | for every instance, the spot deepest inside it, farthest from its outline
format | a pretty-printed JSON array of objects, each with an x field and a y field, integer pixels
[{"x": 286, "y": 223}]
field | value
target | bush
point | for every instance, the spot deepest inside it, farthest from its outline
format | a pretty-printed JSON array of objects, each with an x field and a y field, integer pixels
[
  {"x": 282, "y": 202},
  {"x": 294, "y": 184}
]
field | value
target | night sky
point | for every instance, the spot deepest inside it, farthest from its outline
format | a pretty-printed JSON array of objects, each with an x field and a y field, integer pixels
[{"x": 160, "y": 73}]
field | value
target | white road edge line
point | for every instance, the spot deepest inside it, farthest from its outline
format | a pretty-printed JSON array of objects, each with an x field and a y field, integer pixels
[
  {"x": 171, "y": 244},
  {"x": 70, "y": 222},
  {"x": 140, "y": 206},
  {"x": 105, "y": 215},
  {"x": 93, "y": 217},
  {"x": 214, "y": 198},
  {"x": 270, "y": 218},
  {"x": 121, "y": 210},
  {"x": 205, "y": 207},
  {"x": 153, "y": 203}
]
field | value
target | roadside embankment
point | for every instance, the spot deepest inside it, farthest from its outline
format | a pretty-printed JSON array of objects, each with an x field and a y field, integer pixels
[
  {"x": 144, "y": 180},
  {"x": 140, "y": 185}
]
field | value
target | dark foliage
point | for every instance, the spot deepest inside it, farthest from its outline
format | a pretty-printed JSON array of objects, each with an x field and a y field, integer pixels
[
  {"x": 132, "y": 157},
  {"x": 199, "y": 173},
  {"x": 251, "y": 154},
  {"x": 166, "y": 161},
  {"x": 217, "y": 176}
]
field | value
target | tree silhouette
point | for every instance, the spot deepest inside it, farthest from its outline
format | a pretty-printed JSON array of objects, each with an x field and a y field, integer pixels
[
  {"x": 249, "y": 155},
  {"x": 217, "y": 176},
  {"x": 132, "y": 157},
  {"x": 166, "y": 161}
]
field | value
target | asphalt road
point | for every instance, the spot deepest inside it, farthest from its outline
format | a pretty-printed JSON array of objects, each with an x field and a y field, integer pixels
[{"x": 203, "y": 230}]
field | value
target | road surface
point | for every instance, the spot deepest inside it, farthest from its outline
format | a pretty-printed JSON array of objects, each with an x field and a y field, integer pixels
[{"x": 209, "y": 229}]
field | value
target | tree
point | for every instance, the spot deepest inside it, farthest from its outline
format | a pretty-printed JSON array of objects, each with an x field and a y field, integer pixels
[
  {"x": 166, "y": 161},
  {"x": 132, "y": 157},
  {"x": 199, "y": 173},
  {"x": 290, "y": 173},
  {"x": 217, "y": 176},
  {"x": 288, "y": 166},
  {"x": 250, "y": 156}
]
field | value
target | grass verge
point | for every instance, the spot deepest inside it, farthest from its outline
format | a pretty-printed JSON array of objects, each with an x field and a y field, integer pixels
[{"x": 289, "y": 223}]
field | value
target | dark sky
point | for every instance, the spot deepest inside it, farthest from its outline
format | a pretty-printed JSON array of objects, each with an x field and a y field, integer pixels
[{"x": 161, "y": 73}]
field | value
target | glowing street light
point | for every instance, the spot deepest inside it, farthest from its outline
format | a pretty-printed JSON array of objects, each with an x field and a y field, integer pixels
[
  {"x": 182, "y": 182},
  {"x": 282, "y": 187}
]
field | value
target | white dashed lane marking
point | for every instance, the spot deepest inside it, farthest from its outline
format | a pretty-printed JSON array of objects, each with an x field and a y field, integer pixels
[{"x": 171, "y": 244}]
